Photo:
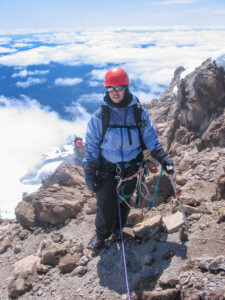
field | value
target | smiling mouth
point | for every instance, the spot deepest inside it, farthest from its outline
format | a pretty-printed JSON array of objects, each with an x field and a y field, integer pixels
[{"x": 116, "y": 98}]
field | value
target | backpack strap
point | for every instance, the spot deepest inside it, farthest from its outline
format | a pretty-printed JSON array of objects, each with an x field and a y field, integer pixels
[{"x": 137, "y": 109}]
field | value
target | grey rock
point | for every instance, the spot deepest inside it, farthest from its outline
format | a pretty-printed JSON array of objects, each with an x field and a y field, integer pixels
[
  {"x": 205, "y": 262},
  {"x": 217, "y": 264},
  {"x": 148, "y": 259},
  {"x": 80, "y": 270}
]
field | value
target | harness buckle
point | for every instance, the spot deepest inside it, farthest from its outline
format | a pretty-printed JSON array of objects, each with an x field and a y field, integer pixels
[
  {"x": 118, "y": 173},
  {"x": 142, "y": 124}
]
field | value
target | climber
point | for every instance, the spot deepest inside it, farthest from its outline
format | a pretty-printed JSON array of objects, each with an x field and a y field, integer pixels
[
  {"x": 79, "y": 151},
  {"x": 114, "y": 148}
]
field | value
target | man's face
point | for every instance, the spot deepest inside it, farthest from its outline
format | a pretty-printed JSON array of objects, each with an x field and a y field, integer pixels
[{"x": 117, "y": 95}]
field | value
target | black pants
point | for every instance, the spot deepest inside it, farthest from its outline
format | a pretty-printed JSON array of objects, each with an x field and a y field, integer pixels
[{"x": 107, "y": 217}]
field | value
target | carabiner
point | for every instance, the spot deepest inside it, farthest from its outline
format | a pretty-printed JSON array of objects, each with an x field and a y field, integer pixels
[{"x": 118, "y": 173}]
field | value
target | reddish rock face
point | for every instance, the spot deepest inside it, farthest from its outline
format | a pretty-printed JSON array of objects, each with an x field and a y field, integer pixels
[{"x": 195, "y": 111}]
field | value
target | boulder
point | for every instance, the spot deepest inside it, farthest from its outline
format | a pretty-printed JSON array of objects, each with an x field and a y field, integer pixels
[
  {"x": 169, "y": 294},
  {"x": 218, "y": 264},
  {"x": 66, "y": 175},
  {"x": 92, "y": 206},
  {"x": 142, "y": 229},
  {"x": 180, "y": 180},
  {"x": 220, "y": 189},
  {"x": 214, "y": 135},
  {"x": 4, "y": 246},
  {"x": 52, "y": 252},
  {"x": 80, "y": 270},
  {"x": 165, "y": 189},
  {"x": 173, "y": 222},
  {"x": 135, "y": 216},
  {"x": 187, "y": 209},
  {"x": 56, "y": 203},
  {"x": 170, "y": 280},
  {"x": 24, "y": 275},
  {"x": 205, "y": 262},
  {"x": 148, "y": 259},
  {"x": 221, "y": 212},
  {"x": 25, "y": 215},
  {"x": 68, "y": 262}
]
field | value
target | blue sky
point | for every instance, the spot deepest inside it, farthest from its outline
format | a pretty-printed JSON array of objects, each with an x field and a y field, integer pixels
[{"x": 35, "y": 14}]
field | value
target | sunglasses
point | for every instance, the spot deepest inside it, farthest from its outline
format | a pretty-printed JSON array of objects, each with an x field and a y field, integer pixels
[{"x": 118, "y": 88}]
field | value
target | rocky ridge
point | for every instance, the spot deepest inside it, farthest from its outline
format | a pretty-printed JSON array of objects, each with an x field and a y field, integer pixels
[{"x": 45, "y": 253}]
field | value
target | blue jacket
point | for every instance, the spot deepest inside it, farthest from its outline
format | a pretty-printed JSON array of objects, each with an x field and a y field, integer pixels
[{"x": 115, "y": 146}]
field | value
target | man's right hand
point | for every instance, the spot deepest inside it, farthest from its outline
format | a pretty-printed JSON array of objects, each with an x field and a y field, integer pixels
[
  {"x": 164, "y": 160},
  {"x": 91, "y": 178}
]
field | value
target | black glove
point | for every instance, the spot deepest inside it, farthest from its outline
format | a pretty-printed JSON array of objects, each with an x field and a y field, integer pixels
[
  {"x": 164, "y": 160},
  {"x": 92, "y": 179}
]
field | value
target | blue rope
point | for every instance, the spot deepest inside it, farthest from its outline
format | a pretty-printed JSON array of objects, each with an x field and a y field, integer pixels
[
  {"x": 122, "y": 187},
  {"x": 156, "y": 190},
  {"x": 123, "y": 250}
]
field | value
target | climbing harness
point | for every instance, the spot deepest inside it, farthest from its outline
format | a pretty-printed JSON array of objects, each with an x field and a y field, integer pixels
[{"x": 143, "y": 193}]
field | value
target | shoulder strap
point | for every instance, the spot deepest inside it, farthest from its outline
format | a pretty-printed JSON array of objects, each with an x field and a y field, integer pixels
[{"x": 137, "y": 109}]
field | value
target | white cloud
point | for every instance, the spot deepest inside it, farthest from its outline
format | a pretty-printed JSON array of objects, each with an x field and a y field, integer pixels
[
  {"x": 219, "y": 58},
  {"x": 4, "y": 40},
  {"x": 94, "y": 97},
  {"x": 98, "y": 74},
  {"x": 77, "y": 111},
  {"x": 6, "y": 50},
  {"x": 30, "y": 81},
  {"x": 94, "y": 83},
  {"x": 68, "y": 81},
  {"x": 28, "y": 130},
  {"x": 98, "y": 77},
  {"x": 22, "y": 45},
  {"x": 25, "y": 73}
]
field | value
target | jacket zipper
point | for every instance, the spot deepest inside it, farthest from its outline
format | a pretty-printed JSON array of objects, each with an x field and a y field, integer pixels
[{"x": 121, "y": 130}]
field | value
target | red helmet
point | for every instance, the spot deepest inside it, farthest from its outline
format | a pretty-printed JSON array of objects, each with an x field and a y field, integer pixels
[
  {"x": 116, "y": 76},
  {"x": 79, "y": 143}
]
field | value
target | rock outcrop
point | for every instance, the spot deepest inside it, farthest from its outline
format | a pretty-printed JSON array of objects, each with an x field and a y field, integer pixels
[
  {"x": 192, "y": 108},
  {"x": 61, "y": 197}
]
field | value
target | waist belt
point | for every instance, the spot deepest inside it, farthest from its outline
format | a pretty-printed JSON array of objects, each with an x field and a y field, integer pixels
[{"x": 109, "y": 166}]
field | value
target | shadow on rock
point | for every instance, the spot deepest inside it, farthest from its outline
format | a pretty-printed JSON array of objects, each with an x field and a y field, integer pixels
[{"x": 146, "y": 263}]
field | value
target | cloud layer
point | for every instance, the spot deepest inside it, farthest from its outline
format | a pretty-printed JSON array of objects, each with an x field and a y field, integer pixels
[{"x": 150, "y": 54}]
